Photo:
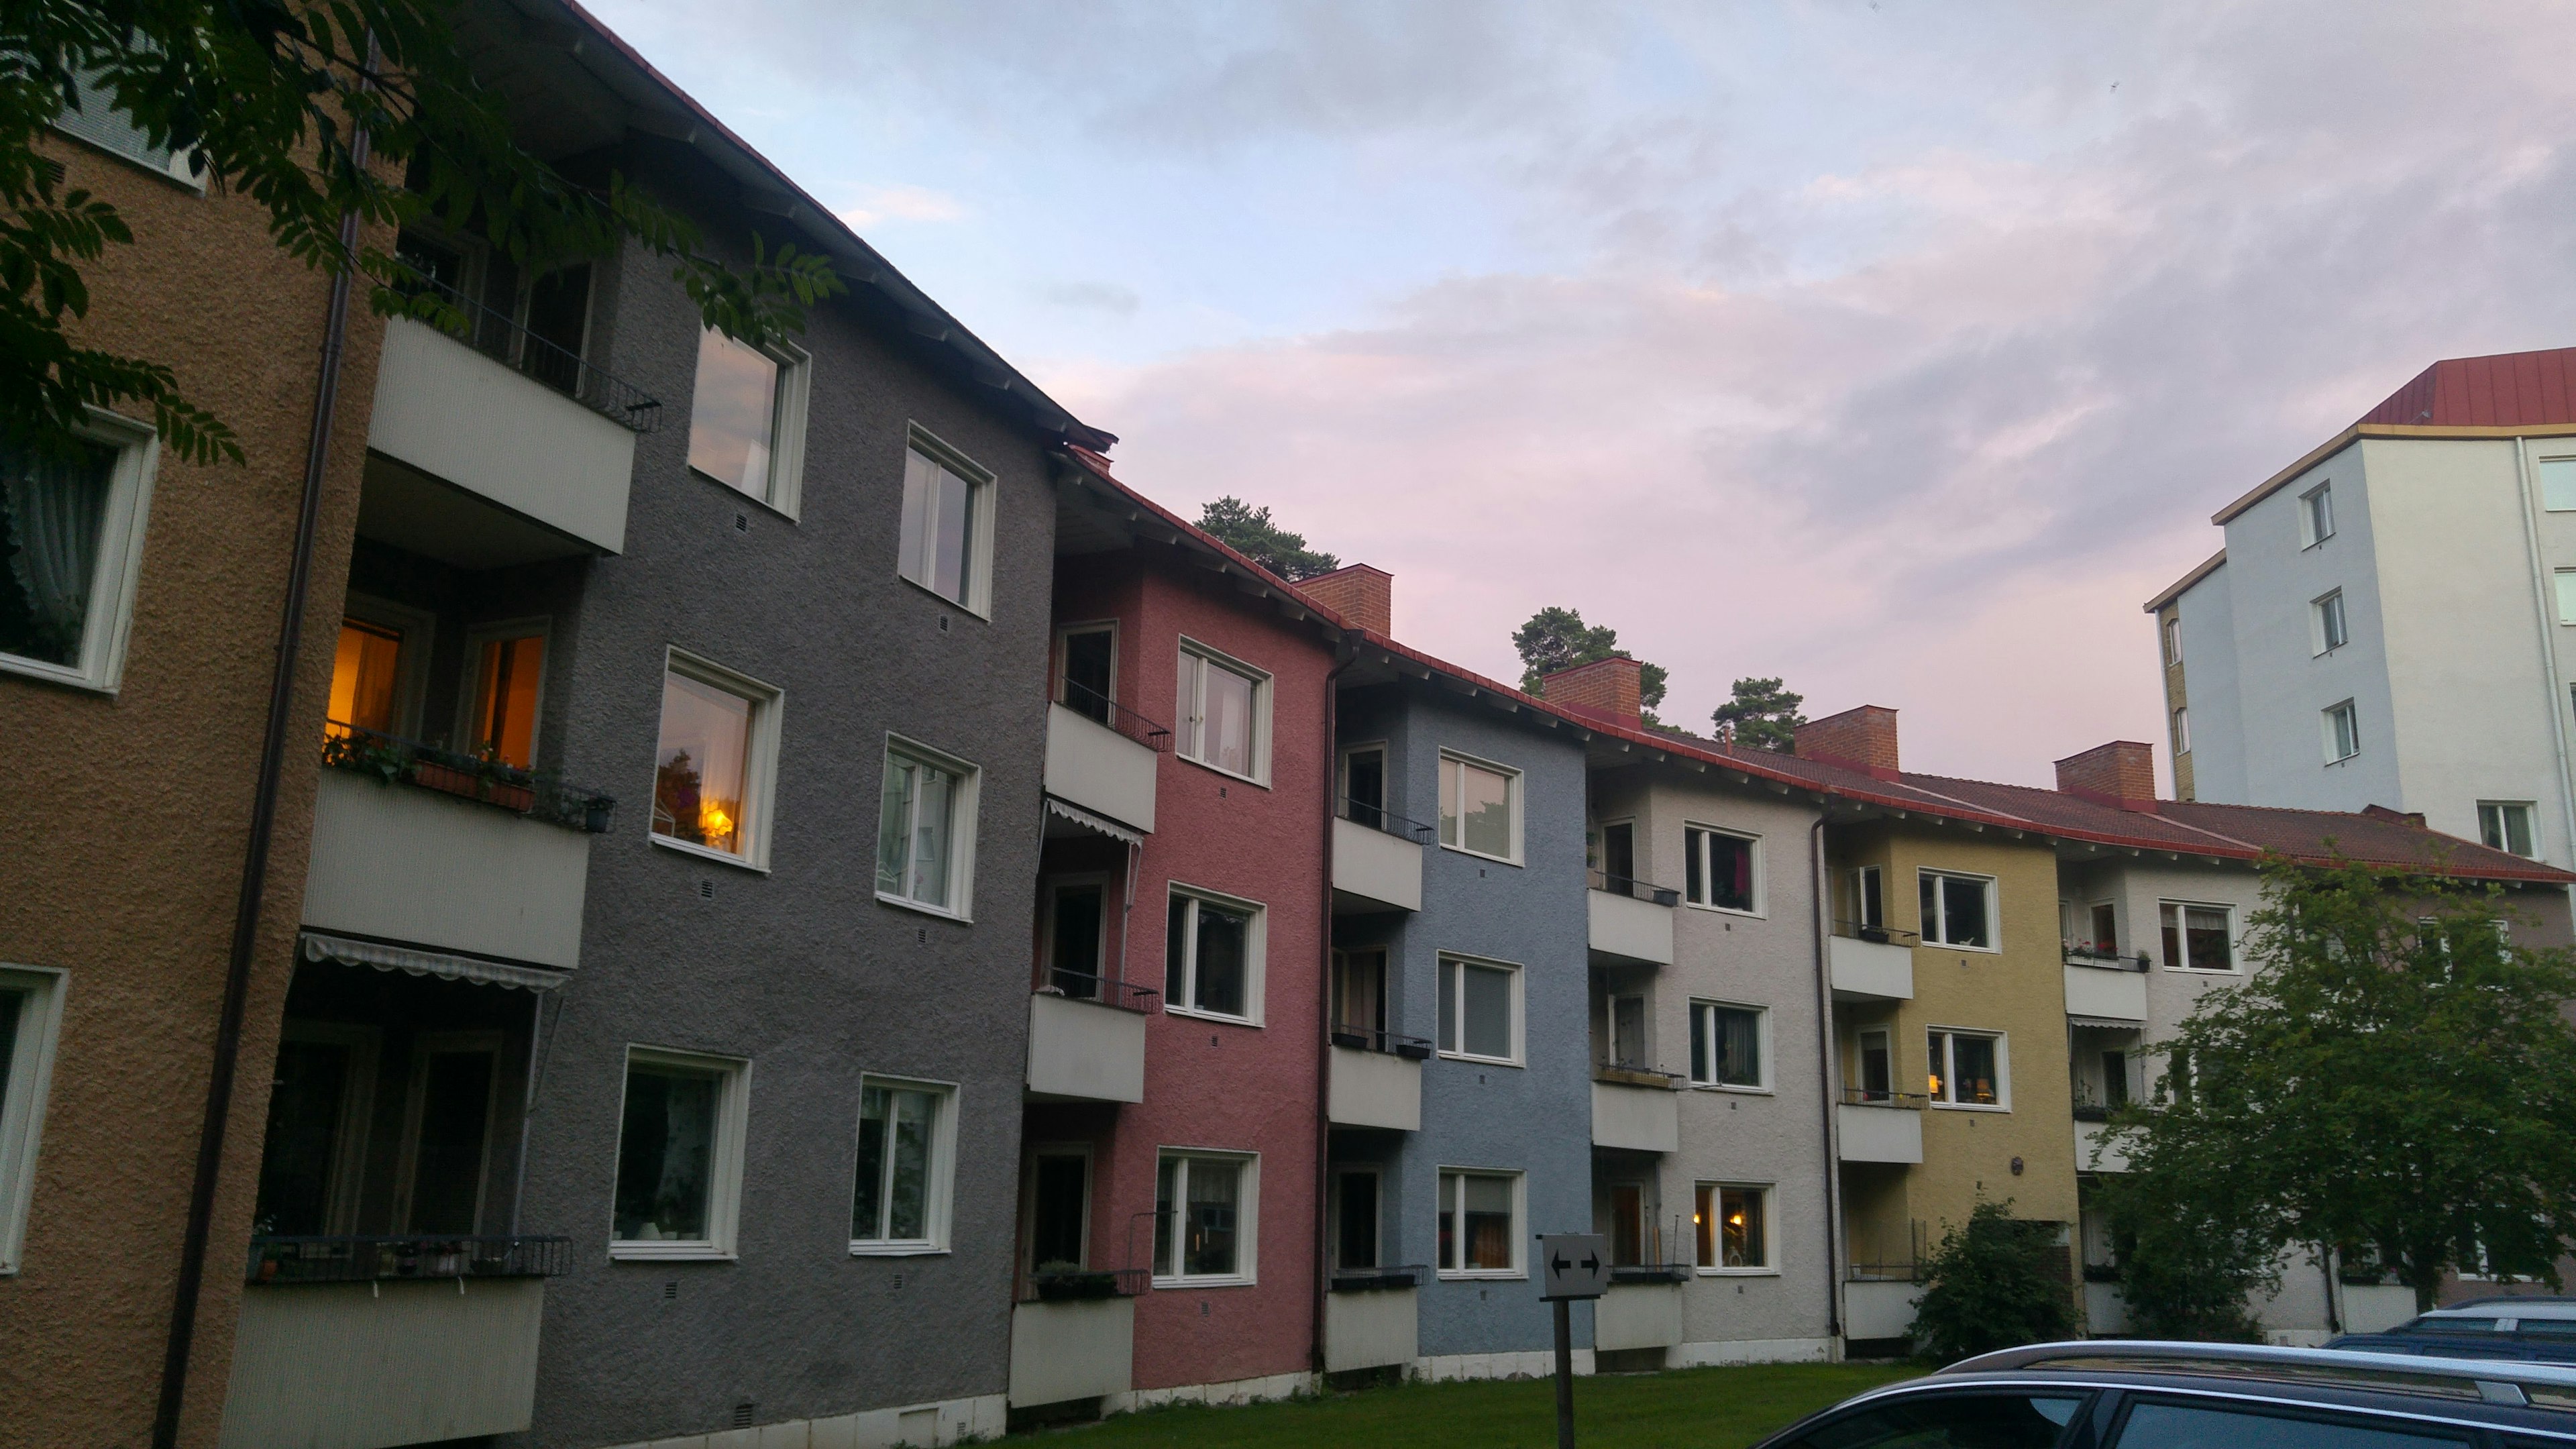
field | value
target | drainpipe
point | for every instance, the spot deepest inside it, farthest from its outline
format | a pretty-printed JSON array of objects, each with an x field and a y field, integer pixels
[
  {"x": 1825, "y": 1073},
  {"x": 263, "y": 824},
  {"x": 1347, "y": 654},
  {"x": 2542, "y": 612}
]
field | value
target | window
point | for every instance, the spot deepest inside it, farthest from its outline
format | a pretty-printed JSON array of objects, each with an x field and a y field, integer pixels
[
  {"x": 2196, "y": 937},
  {"x": 1727, "y": 1045},
  {"x": 314, "y": 1152},
  {"x": 679, "y": 1155},
  {"x": 947, "y": 524},
  {"x": 1869, "y": 899},
  {"x": 1204, "y": 1218},
  {"x": 2173, "y": 638},
  {"x": 1877, "y": 1066},
  {"x": 712, "y": 768},
  {"x": 1628, "y": 1222},
  {"x": 2115, "y": 1079},
  {"x": 2182, "y": 731},
  {"x": 1059, "y": 1209},
  {"x": 1480, "y": 807},
  {"x": 2331, "y": 633},
  {"x": 747, "y": 419},
  {"x": 2342, "y": 732},
  {"x": 96, "y": 120},
  {"x": 2154, "y": 1424},
  {"x": 377, "y": 669},
  {"x": 1626, "y": 1018},
  {"x": 2316, "y": 515},
  {"x": 1480, "y": 1235},
  {"x": 1967, "y": 1420},
  {"x": 1734, "y": 1226},
  {"x": 2557, "y": 484},
  {"x": 2505, "y": 825},
  {"x": 1958, "y": 910},
  {"x": 1968, "y": 1069},
  {"x": 1480, "y": 1010},
  {"x": 1077, "y": 936},
  {"x": 2106, "y": 934},
  {"x": 1225, "y": 714},
  {"x": 444, "y": 1162},
  {"x": 71, "y": 542},
  {"x": 31, "y": 1003},
  {"x": 1086, "y": 671},
  {"x": 907, "y": 1135},
  {"x": 1213, "y": 955},
  {"x": 1364, "y": 786},
  {"x": 1356, "y": 1234},
  {"x": 1359, "y": 992},
  {"x": 1618, "y": 862},
  {"x": 2565, "y": 582},
  {"x": 1724, "y": 869},
  {"x": 506, "y": 666},
  {"x": 926, "y": 830}
]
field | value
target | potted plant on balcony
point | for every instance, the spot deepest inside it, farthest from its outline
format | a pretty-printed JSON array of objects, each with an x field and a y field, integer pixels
[{"x": 1061, "y": 1281}]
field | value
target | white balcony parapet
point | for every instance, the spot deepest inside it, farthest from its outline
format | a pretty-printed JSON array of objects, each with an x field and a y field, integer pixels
[
  {"x": 1374, "y": 871},
  {"x": 1630, "y": 929},
  {"x": 403, "y": 863},
  {"x": 1083, "y": 1050},
  {"x": 2376, "y": 1307},
  {"x": 400, "y": 1361},
  {"x": 1638, "y": 1315},
  {"x": 1370, "y": 1321},
  {"x": 1642, "y": 1118},
  {"x": 1869, "y": 970},
  {"x": 453, "y": 413},
  {"x": 2110, "y": 993},
  {"x": 1880, "y": 1309},
  {"x": 1374, "y": 1089},
  {"x": 1078, "y": 1350},
  {"x": 2096, "y": 1150},
  {"x": 1879, "y": 1132},
  {"x": 1096, "y": 767}
]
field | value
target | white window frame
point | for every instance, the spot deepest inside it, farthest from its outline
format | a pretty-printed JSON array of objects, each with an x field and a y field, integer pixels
[
  {"x": 419, "y": 630},
  {"x": 2562, "y": 584},
  {"x": 786, "y": 489},
  {"x": 1514, "y": 791},
  {"x": 2183, "y": 933},
  {"x": 940, "y": 1191},
  {"x": 1385, "y": 777},
  {"x": 2182, "y": 730},
  {"x": 1761, "y": 894},
  {"x": 1860, "y": 877},
  {"x": 1520, "y": 982},
  {"x": 2349, "y": 711},
  {"x": 2173, "y": 639},
  {"x": 2541, "y": 470},
  {"x": 1064, "y": 635},
  {"x": 113, "y": 580},
  {"x": 539, "y": 627},
  {"x": 1950, "y": 1078},
  {"x": 1190, "y": 700},
  {"x": 423, "y": 1046},
  {"x": 357, "y": 1112},
  {"x": 2316, "y": 515},
  {"x": 1039, "y": 1152},
  {"x": 965, "y": 809},
  {"x": 177, "y": 168},
  {"x": 724, "y": 1158},
  {"x": 22, "y": 1099},
  {"x": 759, "y": 765},
  {"x": 2330, "y": 625},
  {"x": 1256, "y": 952},
  {"x": 984, "y": 494},
  {"x": 1049, "y": 888},
  {"x": 2530, "y": 825},
  {"x": 1994, "y": 909},
  {"x": 1717, "y": 1237},
  {"x": 1247, "y": 1231},
  {"x": 1520, "y": 1219},
  {"x": 1762, "y": 1035}
]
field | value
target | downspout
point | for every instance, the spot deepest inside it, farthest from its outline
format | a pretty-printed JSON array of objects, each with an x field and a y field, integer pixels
[
  {"x": 263, "y": 825},
  {"x": 1348, "y": 655},
  {"x": 1826, "y": 1065},
  {"x": 2541, "y": 611}
]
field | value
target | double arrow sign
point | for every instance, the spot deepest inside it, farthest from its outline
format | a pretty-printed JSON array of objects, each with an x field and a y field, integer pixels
[{"x": 1577, "y": 1265}]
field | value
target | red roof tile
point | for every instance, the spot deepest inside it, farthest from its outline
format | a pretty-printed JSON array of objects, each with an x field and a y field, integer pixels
[{"x": 2507, "y": 390}]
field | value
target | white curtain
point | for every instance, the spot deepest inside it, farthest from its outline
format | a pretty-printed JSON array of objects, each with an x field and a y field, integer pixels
[{"x": 56, "y": 510}]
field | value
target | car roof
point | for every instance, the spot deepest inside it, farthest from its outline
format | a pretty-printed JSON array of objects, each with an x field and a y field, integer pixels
[{"x": 2555, "y": 1309}]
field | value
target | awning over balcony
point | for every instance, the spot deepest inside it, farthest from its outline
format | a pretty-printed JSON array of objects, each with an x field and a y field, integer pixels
[
  {"x": 417, "y": 962},
  {"x": 1089, "y": 821},
  {"x": 2106, "y": 1023}
]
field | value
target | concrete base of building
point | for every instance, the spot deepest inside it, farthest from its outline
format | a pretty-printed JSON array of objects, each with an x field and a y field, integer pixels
[
  {"x": 1443, "y": 1368},
  {"x": 1236, "y": 1391},
  {"x": 921, "y": 1426},
  {"x": 1750, "y": 1350}
]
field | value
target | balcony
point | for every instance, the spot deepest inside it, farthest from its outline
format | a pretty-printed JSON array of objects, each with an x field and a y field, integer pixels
[
  {"x": 510, "y": 420},
  {"x": 1375, "y": 1080},
  {"x": 1632, "y": 920},
  {"x": 357, "y": 1343},
  {"x": 1089, "y": 1045},
  {"x": 1637, "y": 1110},
  {"x": 2106, "y": 987},
  {"x": 445, "y": 851},
  {"x": 1880, "y": 1309},
  {"x": 1370, "y": 1318},
  {"x": 1375, "y": 868},
  {"x": 1102, "y": 758},
  {"x": 1880, "y": 1127},
  {"x": 1073, "y": 1336},
  {"x": 2096, "y": 1150},
  {"x": 1868, "y": 963},
  {"x": 1635, "y": 1315}
]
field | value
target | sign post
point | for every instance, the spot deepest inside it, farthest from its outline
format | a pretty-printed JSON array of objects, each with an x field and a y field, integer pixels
[{"x": 1578, "y": 1266}]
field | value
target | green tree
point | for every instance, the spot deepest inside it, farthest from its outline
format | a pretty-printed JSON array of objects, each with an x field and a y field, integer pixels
[
  {"x": 1249, "y": 531},
  {"x": 1760, "y": 715},
  {"x": 2394, "y": 1081},
  {"x": 317, "y": 112},
  {"x": 1994, "y": 1282},
  {"x": 2191, "y": 1260},
  {"x": 1555, "y": 639}
]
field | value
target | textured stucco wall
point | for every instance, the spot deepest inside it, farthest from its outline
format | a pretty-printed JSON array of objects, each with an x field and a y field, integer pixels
[{"x": 127, "y": 877}]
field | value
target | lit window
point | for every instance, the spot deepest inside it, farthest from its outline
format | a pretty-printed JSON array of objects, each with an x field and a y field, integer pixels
[
  {"x": 2342, "y": 732},
  {"x": 1967, "y": 1069},
  {"x": 2316, "y": 514},
  {"x": 679, "y": 1155},
  {"x": 711, "y": 769},
  {"x": 926, "y": 829},
  {"x": 1204, "y": 1217},
  {"x": 1723, "y": 869},
  {"x": 2506, "y": 825},
  {"x": 30, "y": 1016},
  {"x": 1212, "y": 959},
  {"x": 1480, "y": 1234},
  {"x": 1479, "y": 808},
  {"x": 1734, "y": 1227},
  {"x": 2557, "y": 484},
  {"x": 71, "y": 535},
  {"x": 1224, "y": 710},
  {"x": 1480, "y": 1009},
  {"x": 747, "y": 419},
  {"x": 509, "y": 670},
  {"x": 366, "y": 677},
  {"x": 1958, "y": 910},
  {"x": 2197, "y": 938},
  {"x": 2331, "y": 631},
  {"x": 899, "y": 1202},
  {"x": 947, "y": 507},
  {"x": 1727, "y": 1045}
]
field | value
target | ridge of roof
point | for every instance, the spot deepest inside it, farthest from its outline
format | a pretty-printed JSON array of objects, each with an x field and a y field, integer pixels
[{"x": 2181, "y": 586}]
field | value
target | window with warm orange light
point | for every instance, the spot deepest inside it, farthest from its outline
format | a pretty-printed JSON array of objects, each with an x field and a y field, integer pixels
[
  {"x": 1733, "y": 1226},
  {"x": 506, "y": 673},
  {"x": 703, "y": 765},
  {"x": 366, "y": 677}
]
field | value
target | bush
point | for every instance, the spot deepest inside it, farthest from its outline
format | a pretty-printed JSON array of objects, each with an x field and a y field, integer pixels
[
  {"x": 1995, "y": 1283},
  {"x": 2185, "y": 1271}
]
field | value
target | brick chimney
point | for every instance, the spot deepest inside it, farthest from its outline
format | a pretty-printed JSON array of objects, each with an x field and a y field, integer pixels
[
  {"x": 1863, "y": 737},
  {"x": 2121, "y": 774},
  {"x": 1606, "y": 687},
  {"x": 1361, "y": 594}
]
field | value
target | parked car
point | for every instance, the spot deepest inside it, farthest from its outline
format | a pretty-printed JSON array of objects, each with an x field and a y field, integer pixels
[
  {"x": 2534, "y": 1330},
  {"x": 2110, "y": 1394}
]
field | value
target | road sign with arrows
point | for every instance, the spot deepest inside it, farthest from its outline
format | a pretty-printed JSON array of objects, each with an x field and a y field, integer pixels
[{"x": 1578, "y": 1265}]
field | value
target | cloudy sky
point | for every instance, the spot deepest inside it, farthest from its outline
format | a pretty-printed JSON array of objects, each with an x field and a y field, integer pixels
[{"x": 1901, "y": 349}]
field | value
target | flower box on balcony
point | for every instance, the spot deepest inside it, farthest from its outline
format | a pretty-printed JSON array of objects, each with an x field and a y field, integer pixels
[{"x": 1074, "y": 1287}]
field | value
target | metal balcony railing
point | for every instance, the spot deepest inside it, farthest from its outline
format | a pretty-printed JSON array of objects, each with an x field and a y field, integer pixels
[
  {"x": 1378, "y": 817},
  {"x": 1364, "y": 1280},
  {"x": 1379, "y": 1039},
  {"x": 1876, "y": 935},
  {"x": 394, "y": 760},
  {"x": 1864, "y": 1097},
  {"x": 501, "y": 337},
  {"x": 1881, "y": 1261},
  {"x": 1100, "y": 709},
  {"x": 1082, "y": 1285},
  {"x": 2102, "y": 957},
  {"x": 358, "y": 1259},
  {"x": 1624, "y": 1075},
  {"x": 1633, "y": 888},
  {"x": 1650, "y": 1273},
  {"x": 1107, "y": 990}
]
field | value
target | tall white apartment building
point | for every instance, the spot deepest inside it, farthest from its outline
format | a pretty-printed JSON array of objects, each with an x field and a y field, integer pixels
[{"x": 2392, "y": 621}]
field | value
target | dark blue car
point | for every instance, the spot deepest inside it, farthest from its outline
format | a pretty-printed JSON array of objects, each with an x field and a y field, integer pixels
[{"x": 2526, "y": 1330}]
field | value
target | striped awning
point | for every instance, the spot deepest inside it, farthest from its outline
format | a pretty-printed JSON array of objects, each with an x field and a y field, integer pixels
[
  {"x": 2104, "y": 1023},
  {"x": 1085, "y": 818},
  {"x": 351, "y": 951}
]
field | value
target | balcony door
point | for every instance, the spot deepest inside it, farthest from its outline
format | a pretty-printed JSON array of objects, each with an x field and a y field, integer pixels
[
  {"x": 1077, "y": 935},
  {"x": 1359, "y": 992},
  {"x": 1059, "y": 1235},
  {"x": 1877, "y": 1067},
  {"x": 315, "y": 1151},
  {"x": 1355, "y": 1216},
  {"x": 447, "y": 1132}
]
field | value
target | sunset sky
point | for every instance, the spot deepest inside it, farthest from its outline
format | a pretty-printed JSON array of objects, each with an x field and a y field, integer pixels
[{"x": 1899, "y": 349}]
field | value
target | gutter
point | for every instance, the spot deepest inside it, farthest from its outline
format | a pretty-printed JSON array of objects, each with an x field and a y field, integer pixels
[{"x": 1821, "y": 881}]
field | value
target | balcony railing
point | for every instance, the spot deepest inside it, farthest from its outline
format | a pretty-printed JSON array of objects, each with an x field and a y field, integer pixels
[
  {"x": 342, "y": 1259},
  {"x": 2090, "y": 1106},
  {"x": 392, "y": 760},
  {"x": 1366, "y": 1280},
  {"x": 1083, "y": 1285},
  {"x": 1379, "y": 1039},
  {"x": 500, "y": 337},
  {"x": 1108, "y": 991},
  {"x": 2104, "y": 958},
  {"x": 1876, "y": 935},
  {"x": 1650, "y": 1273},
  {"x": 1100, "y": 709},
  {"x": 1864, "y": 1097},
  {"x": 1632, "y": 888},
  {"x": 1623, "y": 1074},
  {"x": 1378, "y": 817}
]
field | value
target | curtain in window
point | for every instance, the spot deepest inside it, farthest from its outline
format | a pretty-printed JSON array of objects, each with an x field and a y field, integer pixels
[
  {"x": 52, "y": 513},
  {"x": 1740, "y": 1225},
  {"x": 1488, "y": 1011},
  {"x": 1225, "y": 946},
  {"x": 1488, "y": 1211},
  {"x": 1738, "y": 1040},
  {"x": 1213, "y": 1191},
  {"x": 665, "y": 1157}
]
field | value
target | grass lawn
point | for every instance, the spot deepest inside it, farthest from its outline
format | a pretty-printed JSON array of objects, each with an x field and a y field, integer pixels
[{"x": 1710, "y": 1408}]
